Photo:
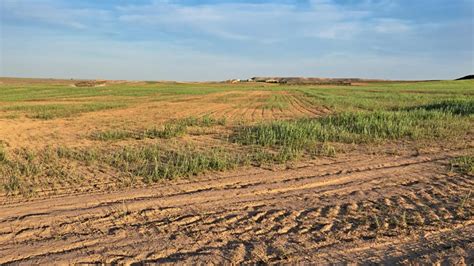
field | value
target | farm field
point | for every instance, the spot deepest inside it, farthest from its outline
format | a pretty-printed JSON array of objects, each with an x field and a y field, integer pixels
[{"x": 157, "y": 172}]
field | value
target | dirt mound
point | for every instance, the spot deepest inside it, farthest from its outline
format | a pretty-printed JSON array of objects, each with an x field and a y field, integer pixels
[
  {"x": 90, "y": 83},
  {"x": 466, "y": 77}
]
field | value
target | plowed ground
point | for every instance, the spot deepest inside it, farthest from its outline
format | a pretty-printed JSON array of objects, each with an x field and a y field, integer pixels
[
  {"x": 381, "y": 202},
  {"x": 249, "y": 106},
  {"x": 351, "y": 209}
]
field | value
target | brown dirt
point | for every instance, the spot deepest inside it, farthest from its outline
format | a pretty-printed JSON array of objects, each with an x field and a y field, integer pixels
[{"x": 353, "y": 209}]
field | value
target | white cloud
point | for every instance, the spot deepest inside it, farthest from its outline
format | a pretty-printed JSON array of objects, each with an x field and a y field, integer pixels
[
  {"x": 245, "y": 21},
  {"x": 51, "y": 12},
  {"x": 342, "y": 31},
  {"x": 390, "y": 26},
  {"x": 259, "y": 22}
]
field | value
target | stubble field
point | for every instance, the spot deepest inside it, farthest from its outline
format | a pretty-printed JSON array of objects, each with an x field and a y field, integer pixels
[{"x": 147, "y": 172}]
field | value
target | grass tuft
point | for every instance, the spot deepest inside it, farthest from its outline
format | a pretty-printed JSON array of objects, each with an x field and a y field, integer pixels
[
  {"x": 26, "y": 172},
  {"x": 112, "y": 135},
  {"x": 3, "y": 154},
  {"x": 463, "y": 165},
  {"x": 205, "y": 121},
  {"x": 208, "y": 121},
  {"x": 88, "y": 156},
  {"x": 12, "y": 185},
  {"x": 170, "y": 130},
  {"x": 456, "y": 107}
]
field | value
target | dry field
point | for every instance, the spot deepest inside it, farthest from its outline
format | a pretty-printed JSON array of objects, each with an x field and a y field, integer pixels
[{"x": 147, "y": 172}]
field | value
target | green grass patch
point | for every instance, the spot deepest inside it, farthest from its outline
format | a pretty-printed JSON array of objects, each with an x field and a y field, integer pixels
[
  {"x": 171, "y": 129},
  {"x": 52, "y": 111},
  {"x": 205, "y": 121},
  {"x": 463, "y": 165},
  {"x": 208, "y": 121},
  {"x": 276, "y": 102},
  {"x": 179, "y": 127},
  {"x": 387, "y": 96},
  {"x": 88, "y": 156},
  {"x": 24, "y": 172},
  {"x": 353, "y": 128},
  {"x": 463, "y": 107},
  {"x": 110, "y": 135},
  {"x": 12, "y": 184},
  {"x": 41, "y": 92},
  {"x": 154, "y": 163},
  {"x": 3, "y": 154}
]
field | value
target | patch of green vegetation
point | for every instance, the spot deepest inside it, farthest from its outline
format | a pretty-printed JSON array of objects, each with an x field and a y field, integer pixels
[
  {"x": 42, "y": 92},
  {"x": 352, "y": 128},
  {"x": 458, "y": 107},
  {"x": 323, "y": 149},
  {"x": 463, "y": 165},
  {"x": 171, "y": 129},
  {"x": 52, "y": 111},
  {"x": 154, "y": 163},
  {"x": 88, "y": 156},
  {"x": 25, "y": 171},
  {"x": 3, "y": 154},
  {"x": 110, "y": 135},
  {"x": 178, "y": 127},
  {"x": 12, "y": 185},
  {"x": 386, "y": 96},
  {"x": 205, "y": 121},
  {"x": 276, "y": 102}
]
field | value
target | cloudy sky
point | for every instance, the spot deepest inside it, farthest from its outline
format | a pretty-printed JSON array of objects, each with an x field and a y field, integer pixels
[{"x": 216, "y": 40}]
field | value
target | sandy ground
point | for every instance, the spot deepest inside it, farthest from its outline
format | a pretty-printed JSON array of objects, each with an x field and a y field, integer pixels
[{"x": 353, "y": 209}]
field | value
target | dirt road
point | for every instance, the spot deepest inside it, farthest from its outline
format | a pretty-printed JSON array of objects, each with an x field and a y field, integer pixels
[{"x": 350, "y": 209}]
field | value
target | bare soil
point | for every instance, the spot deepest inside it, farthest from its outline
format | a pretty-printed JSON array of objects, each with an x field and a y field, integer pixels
[{"x": 354, "y": 209}]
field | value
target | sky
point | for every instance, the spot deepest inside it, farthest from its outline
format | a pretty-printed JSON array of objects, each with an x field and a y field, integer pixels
[{"x": 198, "y": 40}]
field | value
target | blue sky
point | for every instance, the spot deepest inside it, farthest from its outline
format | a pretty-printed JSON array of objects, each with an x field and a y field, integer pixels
[{"x": 216, "y": 40}]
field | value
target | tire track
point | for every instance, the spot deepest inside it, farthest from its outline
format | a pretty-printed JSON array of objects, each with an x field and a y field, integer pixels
[{"x": 253, "y": 219}]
